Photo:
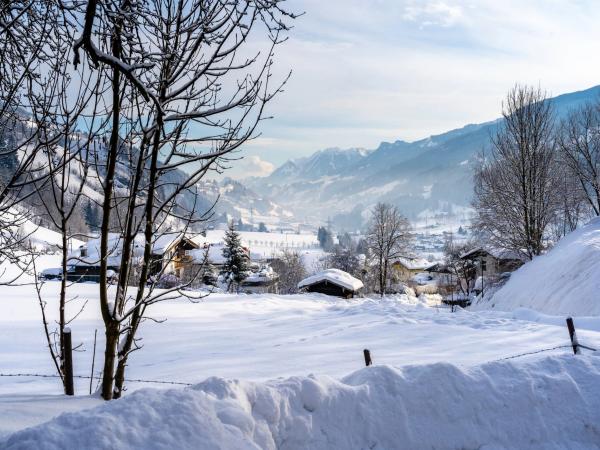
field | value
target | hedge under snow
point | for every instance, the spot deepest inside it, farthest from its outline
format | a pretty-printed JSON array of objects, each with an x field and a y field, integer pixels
[{"x": 550, "y": 403}]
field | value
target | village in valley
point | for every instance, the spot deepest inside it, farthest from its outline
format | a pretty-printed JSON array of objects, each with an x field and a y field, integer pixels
[
  {"x": 293, "y": 224},
  {"x": 204, "y": 261}
]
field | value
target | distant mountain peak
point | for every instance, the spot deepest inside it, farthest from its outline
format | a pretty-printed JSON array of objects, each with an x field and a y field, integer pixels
[{"x": 427, "y": 174}]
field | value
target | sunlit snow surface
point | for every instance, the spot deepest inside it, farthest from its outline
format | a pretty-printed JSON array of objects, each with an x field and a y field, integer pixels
[{"x": 257, "y": 338}]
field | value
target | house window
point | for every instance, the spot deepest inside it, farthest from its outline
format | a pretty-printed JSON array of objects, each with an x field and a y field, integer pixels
[
  {"x": 483, "y": 265},
  {"x": 83, "y": 252}
]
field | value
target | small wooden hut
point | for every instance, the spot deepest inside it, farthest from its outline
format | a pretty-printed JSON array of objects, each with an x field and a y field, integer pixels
[{"x": 332, "y": 282}]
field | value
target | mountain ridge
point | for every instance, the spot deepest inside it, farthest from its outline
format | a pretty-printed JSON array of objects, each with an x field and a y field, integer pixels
[{"x": 433, "y": 173}]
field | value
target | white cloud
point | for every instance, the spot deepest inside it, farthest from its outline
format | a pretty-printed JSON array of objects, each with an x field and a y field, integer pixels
[
  {"x": 254, "y": 166},
  {"x": 433, "y": 13},
  {"x": 364, "y": 72}
]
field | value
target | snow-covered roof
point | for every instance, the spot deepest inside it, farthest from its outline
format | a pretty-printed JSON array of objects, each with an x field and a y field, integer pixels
[
  {"x": 335, "y": 276},
  {"x": 91, "y": 257},
  {"x": 498, "y": 253},
  {"x": 115, "y": 246},
  {"x": 213, "y": 252},
  {"x": 413, "y": 263},
  {"x": 164, "y": 241}
]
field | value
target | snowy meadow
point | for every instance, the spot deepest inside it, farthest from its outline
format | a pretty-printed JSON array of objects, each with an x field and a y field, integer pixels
[{"x": 243, "y": 353}]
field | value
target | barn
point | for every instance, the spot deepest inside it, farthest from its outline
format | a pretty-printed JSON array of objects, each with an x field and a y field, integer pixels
[{"x": 332, "y": 282}]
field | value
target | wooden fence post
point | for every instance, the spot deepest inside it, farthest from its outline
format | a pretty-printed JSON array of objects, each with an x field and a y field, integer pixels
[
  {"x": 573, "y": 335},
  {"x": 93, "y": 361},
  {"x": 367, "y": 354},
  {"x": 68, "y": 349}
]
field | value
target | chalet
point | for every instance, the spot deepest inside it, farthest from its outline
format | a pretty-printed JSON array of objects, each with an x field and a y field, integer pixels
[
  {"x": 405, "y": 268},
  {"x": 84, "y": 262},
  {"x": 203, "y": 263},
  {"x": 171, "y": 252},
  {"x": 437, "y": 269},
  {"x": 332, "y": 282},
  {"x": 493, "y": 261}
]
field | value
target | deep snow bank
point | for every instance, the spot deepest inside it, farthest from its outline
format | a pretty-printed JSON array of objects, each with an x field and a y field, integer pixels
[
  {"x": 564, "y": 281},
  {"x": 548, "y": 403}
]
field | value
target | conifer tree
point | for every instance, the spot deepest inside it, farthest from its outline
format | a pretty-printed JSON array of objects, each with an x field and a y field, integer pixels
[
  {"x": 92, "y": 216},
  {"x": 236, "y": 258},
  {"x": 8, "y": 159}
]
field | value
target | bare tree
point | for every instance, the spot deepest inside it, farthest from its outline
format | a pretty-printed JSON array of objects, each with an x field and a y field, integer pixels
[
  {"x": 515, "y": 184},
  {"x": 462, "y": 271},
  {"x": 184, "y": 94},
  {"x": 60, "y": 193},
  {"x": 26, "y": 34},
  {"x": 571, "y": 204},
  {"x": 290, "y": 268},
  {"x": 388, "y": 237},
  {"x": 41, "y": 103},
  {"x": 344, "y": 258},
  {"x": 579, "y": 145}
]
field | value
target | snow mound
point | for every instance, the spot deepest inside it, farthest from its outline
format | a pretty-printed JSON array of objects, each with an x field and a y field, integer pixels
[
  {"x": 549, "y": 403},
  {"x": 566, "y": 280},
  {"x": 335, "y": 276}
]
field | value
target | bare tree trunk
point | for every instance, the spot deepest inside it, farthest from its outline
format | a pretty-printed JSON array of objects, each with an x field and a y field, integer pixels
[{"x": 110, "y": 323}]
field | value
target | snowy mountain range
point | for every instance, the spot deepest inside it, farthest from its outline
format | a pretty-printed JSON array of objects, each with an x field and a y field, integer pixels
[
  {"x": 425, "y": 177},
  {"x": 432, "y": 174},
  {"x": 226, "y": 198}
]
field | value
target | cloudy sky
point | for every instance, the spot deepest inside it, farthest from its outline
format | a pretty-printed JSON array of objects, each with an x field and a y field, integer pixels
[{"x": 366, "y": 71}]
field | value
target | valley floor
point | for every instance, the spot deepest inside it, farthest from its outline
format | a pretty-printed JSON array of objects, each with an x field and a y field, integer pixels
[{"x": 258, "y": 338}]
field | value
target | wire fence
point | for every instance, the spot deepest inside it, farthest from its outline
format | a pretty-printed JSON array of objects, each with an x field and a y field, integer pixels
[
  {"x": 532, "y": 353},
  {"x": 575, "y": 346},
  {"x": 87, "y": 377},
  {"x": 181, "y": 383}
]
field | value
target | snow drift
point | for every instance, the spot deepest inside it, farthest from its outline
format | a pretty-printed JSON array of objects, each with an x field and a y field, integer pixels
[
  {"x": 566, "y": 280},
  {"x": 548, "y": 403}
]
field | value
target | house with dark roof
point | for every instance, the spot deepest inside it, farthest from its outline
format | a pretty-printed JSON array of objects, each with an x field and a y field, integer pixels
[
  {"x": 332, "y": 282},
  {"x": 491, "y": 261}
]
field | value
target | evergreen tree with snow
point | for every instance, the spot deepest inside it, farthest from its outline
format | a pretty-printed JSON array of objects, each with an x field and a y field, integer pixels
[
  {"x": 325, "y": 239},
  {"x": 236, "y": 258},
  {"x": 9, "y": 161},
  {"x": 92, "y": 216}
]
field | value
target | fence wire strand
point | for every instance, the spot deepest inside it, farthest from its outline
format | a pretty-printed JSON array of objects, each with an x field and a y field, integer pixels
[
  {"x": 181, "y": 383},
  {"x": 87, "y": 377},
  {"x": 533, "y": 353}
]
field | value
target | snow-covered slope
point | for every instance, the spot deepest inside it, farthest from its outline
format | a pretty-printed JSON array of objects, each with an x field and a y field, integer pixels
[
  {"x": 234, "y": 199},
  {"x": 553, "y": 403},
  {"x": 566, "y": 280}
]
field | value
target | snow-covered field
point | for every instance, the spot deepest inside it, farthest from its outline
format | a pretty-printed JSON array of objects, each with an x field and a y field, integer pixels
[{"x": 265, "y": 339}]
